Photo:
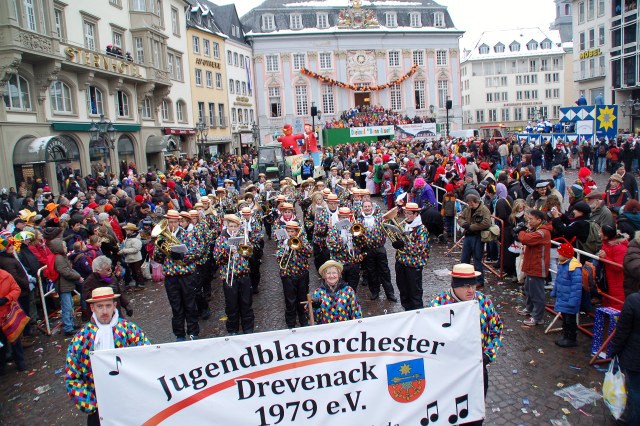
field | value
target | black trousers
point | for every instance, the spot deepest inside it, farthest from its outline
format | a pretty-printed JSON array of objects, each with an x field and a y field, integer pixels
[
  {"x": 254, "y": 267},
  {"x": 238, "y": 300},
  {"x": 377, "y": 271},
  {"x": 570, "y": 326},
  {"x": 295, "y": 293},
  {"x": 93, "y": 419},
  {"x": 320, "y": 255},
  {"x": 409, "y": 282},
  {"x": 486, "y": 387},
  {"x": 207, "y": 275},
  {"x": 181, "y": 292},
  {"x": 267, "y": 229},
  {"x": 200, "y": 276},
  {"x": 351, "y": 274}
]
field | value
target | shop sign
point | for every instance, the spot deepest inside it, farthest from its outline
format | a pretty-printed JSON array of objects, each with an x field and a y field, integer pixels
[
  {"x": 57, "y": 150},
  {"x": 103, "y": 62},
  {"x": 173, "y": 131},
  {"x": 208, "y": 63},
  {"x": 516, "y": 104},
  {"x": 590, "y": 53}
]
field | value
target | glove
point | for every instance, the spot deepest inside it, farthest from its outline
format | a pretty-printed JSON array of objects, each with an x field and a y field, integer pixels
[
  {"x": 177, "y": 256},
  {"x": 129, "y": 312},
  {"x": 315, "y": 304},
  {"x": 398, "y": 245},
  {"x": 32, "y": 279},
  {"x": 465, "y": 226},
  {"x": 3, "y": 301}
]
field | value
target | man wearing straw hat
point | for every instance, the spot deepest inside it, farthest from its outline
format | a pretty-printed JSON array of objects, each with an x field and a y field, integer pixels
[
  {"x": 106, "y": 330},
  {"x": 463, "y": 289}
]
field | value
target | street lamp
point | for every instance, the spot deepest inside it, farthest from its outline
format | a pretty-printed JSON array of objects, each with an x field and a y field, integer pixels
[
  {"x": 202, "y": 130},
  {"x": 449, "y": 105},
  {"x": 629, "y": 106},
  {"x": 103, "y": 130}
]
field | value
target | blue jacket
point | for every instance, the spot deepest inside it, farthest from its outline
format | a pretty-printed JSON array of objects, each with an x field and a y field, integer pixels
[
  {"x": 560, "y": 184},
  {"x": 568, "y": 287}
]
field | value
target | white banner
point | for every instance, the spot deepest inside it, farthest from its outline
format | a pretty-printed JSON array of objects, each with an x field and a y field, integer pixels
[
  {"x": 419, "y": 130},
  {"x": 410, "y": 368},
  {"x": 355, "y": 132}
]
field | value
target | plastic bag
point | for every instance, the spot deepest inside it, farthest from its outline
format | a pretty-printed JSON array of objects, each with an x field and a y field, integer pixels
[
  {"x": 156, "y": 272},
  {"x": 146, "y": 270},
  {"x": 614, "y": 390}
]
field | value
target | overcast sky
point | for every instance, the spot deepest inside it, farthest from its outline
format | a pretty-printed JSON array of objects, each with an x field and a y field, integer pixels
[{"x": 472, "y": 16}]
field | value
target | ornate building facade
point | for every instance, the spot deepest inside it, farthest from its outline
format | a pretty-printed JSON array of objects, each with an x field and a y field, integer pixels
[
  {"x": 64, "y": 66},
  {"x": 338, "y": 57}
]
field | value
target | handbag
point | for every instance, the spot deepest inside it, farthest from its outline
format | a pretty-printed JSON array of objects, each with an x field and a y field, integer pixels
[
  {"x": 156, "y": 272},
  {"x": 490, "y": 234},
  {"x": 614, "y": 390},
  {"x": 14, "y": 322}
]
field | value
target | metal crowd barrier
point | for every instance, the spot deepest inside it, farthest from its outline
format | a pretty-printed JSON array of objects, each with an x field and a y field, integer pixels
[
  {"x": 44, "y": 325},
  {"x": 584, "y": 327}
]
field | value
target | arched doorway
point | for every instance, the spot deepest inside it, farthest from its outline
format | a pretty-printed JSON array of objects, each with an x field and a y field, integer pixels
[
  {"x": 99, "y": 157},
  {"x": 51, "y": 157},
  {"x": 126, "y": 154}
]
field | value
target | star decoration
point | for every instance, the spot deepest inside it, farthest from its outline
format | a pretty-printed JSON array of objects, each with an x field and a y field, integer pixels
[
  {"x": 606, "y": 118},
  {"x": 405, "y": 369}
]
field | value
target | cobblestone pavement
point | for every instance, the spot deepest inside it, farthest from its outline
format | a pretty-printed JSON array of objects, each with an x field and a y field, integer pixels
[{"x": 529, "y": 367}]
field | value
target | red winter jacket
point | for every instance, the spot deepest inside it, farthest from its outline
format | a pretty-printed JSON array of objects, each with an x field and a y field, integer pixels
[
  {"x": 615, "y": 250},
  {"x": 537, "y": 250}
]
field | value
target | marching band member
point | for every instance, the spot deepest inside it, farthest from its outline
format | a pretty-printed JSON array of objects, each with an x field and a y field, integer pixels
[
  {"x": 293, "y": 261},
  {"x": 411, "y": 258},
  {"x": 178, "y": 269},
  {"x": 346, "y": 196},
  {"x": 325, "y": 219},
  {"x": 221, "y": 201},
  {"x": 334, "y": 179},
  {"x": 236, "y": 283},
  {"x": 317, "y": 203},
  {"x": 375, "y": 264},
  {"x": 262, "y": 180},
  {"x": 346, "y": 248},
  {"x": 212, "y": 224},
  {"x": 185, "y": 221},
  {"x": 202, "y": 239},
  {"x": 356, "y": 204},
  {"x": 334, "y": 300},
  {"x": 232, "y": 192},
  {"x": 286, "y": 214},
  {"x": 255, "y": 240}
]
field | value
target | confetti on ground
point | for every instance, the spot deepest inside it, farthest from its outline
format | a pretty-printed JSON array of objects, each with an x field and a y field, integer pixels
[
  {"x": 566, "y": 411},
  {"x": 535, "y": 413},
  {"x": 560, "y": 384},
  {"x": 524, "y": 410},
  {"x": 495, "y": 409},
  {"x": 514, "y": 371},
  {"x": 525, "y": 401}
]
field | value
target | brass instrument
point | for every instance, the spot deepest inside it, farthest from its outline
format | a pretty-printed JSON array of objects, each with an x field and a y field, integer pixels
[
  {"x": 164, "y": 238},
  {"x": 246, "y": 249},
  {"x": 393, "y": 228},
  {"x": 357, "y": 230},
  {"x": 294, "y": 244}
]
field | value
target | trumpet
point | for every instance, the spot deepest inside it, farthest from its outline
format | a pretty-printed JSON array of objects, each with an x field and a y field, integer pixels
[
  {"x": 245, "y": 250},
  {"x": 393, "y": 228},
  {"x": 293, "y": 244}
]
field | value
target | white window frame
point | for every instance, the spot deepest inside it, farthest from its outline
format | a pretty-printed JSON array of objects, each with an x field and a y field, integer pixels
[
  {"x": 232, "y": 86},
  {"x": 209, "y": 79},
  {"x": 443, "y": 93},
  {"x": 138, "y": 43},
  {"x": 483, "y": 49},
  {"x": 272, "y": 63},
  {"x": 394, "y": 58},
  {"x": 302, "y": 100},
  {"x": 165, "y": 109},
  {"x": 514, "y": 47},
  {"x": 99, "y": 96},
  {"x": 195, "y": 44},
  {"x": 139, "y": 5},
  {"x": 275, "y": 100},
  {"x": 391, "y": 19},
  {"x": 198, "y": 77},
  {"x": 175, "y": 21},
  {"x": 122, "y": 104},
  {"x": 206, "y": 47},
  {"x": 30, "y": 20},
  {"x": 18, "y": 87},
  {"x": 415, "y": 19},
  {"x": 268, "y": 22},
  {"x": 532, "y": 45},
  {"x": 328, "y": 100},
  {"x": 395, "y": 97},
  {"x": 498, "y": 48},
  {"x": 216, "y": 50},
  {"x": 325, "y": 60},
  {"x": 419, "y": 94},
  {"x": 322, "y": 20},
  {"x": 60, "y": 24},
  {"x": 145, "y": 113},
  {"x": 299, "y": 61},
  {"x": 295, "y": 21},
  {"x": 442, "y": 58},
  {"x": 178, "y": 68},
  {"x": 61, "y": 95},
  {"x": 180, "y": 111},
  {"x": 89, "y": 29},
  {"x": 438, "y": 20},
  {"x": 218, "y": 80},
  {"x": 418, "y": 57}
]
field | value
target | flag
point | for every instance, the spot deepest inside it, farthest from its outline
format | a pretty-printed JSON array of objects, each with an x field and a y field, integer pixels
[{"x": 248, "y": 68}]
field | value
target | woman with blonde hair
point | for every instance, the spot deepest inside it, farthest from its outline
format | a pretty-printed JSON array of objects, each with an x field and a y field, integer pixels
[{"x": 517, "y": 222}]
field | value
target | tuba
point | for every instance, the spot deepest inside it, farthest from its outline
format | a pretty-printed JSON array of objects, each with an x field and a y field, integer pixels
[
  {"x": 164, "y": 238},
  {"x": 393, "y": 228}
]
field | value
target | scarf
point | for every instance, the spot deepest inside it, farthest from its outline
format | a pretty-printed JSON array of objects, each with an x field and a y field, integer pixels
[
  {"x": 334, "y": 217},
  {"x": 369, "y": 220},
  {"x": 104, "y": 335},
  {"x": 408, "y": 227}
]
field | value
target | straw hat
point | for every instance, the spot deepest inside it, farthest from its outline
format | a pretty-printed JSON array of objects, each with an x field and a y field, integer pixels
[
  {"x": 464, "y": 270},
  {"x": 172, "y": 214},
  {"x": 232, "y": 218},
  {"x": 332, "y": 198},
  {"x": 130, "y": 227},
  {"x": 412, "y": 207},
  {"x": 292, "y": 224},
  {"x": 101, "y": 294},
  {"x": 246, "y": 210},
  {"x": 329, "y": 264},
  {"x": 344, "y": 211},
  {"x": 286, "y": 206}
]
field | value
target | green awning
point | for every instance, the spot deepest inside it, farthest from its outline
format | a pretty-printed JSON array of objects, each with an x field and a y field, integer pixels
[{"x": 74, "y": 126}]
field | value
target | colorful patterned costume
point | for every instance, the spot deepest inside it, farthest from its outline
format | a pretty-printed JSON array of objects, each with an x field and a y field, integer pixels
[
  {"x": 221, "y": 252},
  {"x": 416, "y": 254},
  {"x": 334, "y": 307},
  {"x": 187, "y": 266},
  {"x": 299, "y": 263},
  {"x": 490, "y": 322},
  {"x": 78, "y": 374}
]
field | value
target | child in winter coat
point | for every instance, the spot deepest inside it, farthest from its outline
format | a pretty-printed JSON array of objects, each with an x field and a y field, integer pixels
[
  {"x": 66, "y": 283},
  {"x": 614, "y": 248},
  {"x": 449, "y": 208},
  {"x": 132, "y": 251},
  {"x": 567, "y": 290}
]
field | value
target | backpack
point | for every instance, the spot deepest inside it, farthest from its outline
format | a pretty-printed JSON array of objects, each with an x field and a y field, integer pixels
[
  {"x": 589, "y": 278},
  {"x": 50, "y": 271},
  {"x": 594, "y": 240}
]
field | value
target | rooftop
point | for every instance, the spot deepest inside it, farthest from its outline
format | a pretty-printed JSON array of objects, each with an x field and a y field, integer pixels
[{"x": 515, "y": 43}]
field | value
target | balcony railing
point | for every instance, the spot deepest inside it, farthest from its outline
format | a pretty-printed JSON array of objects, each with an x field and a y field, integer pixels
[
  {"x": 213, "y": 121},
  {"x": 223, "y": 121},
  {"x": 591, "y": 73}
]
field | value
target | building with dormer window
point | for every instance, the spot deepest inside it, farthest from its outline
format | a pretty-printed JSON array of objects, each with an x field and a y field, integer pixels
[
  {"x": 302, "y": 49},
  {"x": 528, "y": 80}
]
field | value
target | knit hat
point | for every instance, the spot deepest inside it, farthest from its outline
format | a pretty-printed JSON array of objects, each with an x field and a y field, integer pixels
[
  {"x": 138, "y": 199},
  {"x": 584, "y": 172},
  {"x": 616, "y": 177},
  {"x": 566, "y": 249},
  {"x": 582, "y": 207},
  {"x": 448, "y": 187},
  {"x": 5, "y": 242},
  {"x": 93, "y": 205},
  {"x": 484, "y": 165},
  {"x": 576, "y": 191},
  {"x": 51, "y": 233},
  {"x": 102, "y": 217}
]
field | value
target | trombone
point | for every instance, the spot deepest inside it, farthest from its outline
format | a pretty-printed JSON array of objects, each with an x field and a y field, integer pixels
[
  {"x": 231, "y": 267},
  {"x": 245, "y": 250},
  {"x": 293, "y": 244}
]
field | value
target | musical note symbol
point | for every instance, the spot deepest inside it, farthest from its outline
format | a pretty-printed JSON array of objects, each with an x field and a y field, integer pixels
[
  {"x": 460, "y": 413},
  {"x": 433, "y": 417},
  {"x": 117, "y": 370},
  {"x": 451, "y": 315}
]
